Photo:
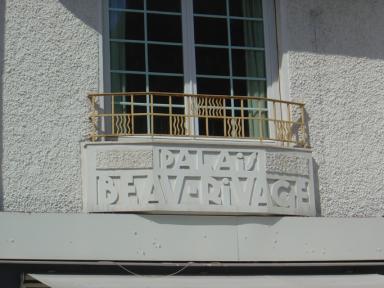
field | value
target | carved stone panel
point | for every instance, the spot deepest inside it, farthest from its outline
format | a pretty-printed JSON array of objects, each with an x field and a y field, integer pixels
[
  {"x": 162, "y": 178},
  {"x": 115, "y": 159}
]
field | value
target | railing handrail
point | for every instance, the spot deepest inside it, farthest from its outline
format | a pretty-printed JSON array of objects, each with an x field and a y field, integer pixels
[{"x": 91, "y": 94}]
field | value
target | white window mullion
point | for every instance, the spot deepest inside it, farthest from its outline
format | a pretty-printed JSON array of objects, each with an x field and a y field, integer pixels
[{"x": 189, "y": 60}]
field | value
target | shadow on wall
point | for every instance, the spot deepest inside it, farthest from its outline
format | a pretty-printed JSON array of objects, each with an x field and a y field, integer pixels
[
  {"x": 2, "y": 39},
  {"x": 312, "y": 29},
  {"x": 344, "y": 27},
  {"x": 80, "y": 9}
]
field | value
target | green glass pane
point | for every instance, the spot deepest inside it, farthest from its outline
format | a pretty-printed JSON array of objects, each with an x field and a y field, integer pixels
[
  {"x": 248, "y": 63},
  {"x": 248, "y": 33},
  {"x": 246, "y": 8}
]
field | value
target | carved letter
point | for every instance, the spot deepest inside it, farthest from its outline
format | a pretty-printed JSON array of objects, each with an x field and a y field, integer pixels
[
  {"x": 240, "y": 162},
  {"x": 243, "y": 193},
  {"x": 131, "y": 192},
  {"x": 213, "y": 195},
  {"x": 188, "y": 189},
  {"x": 223, "y": 161},
  {"x": 226, "y": 192},
  {"x": 281, "y": 194},
  {"x": 107, "y": 193},
  {"x": 184, "y": 160},
  {"x": 167, "y": 159},
  {"x": 251, "y": 162}
]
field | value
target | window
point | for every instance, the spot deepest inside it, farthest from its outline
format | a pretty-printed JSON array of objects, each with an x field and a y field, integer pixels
[{"x": 214, "y": 47}]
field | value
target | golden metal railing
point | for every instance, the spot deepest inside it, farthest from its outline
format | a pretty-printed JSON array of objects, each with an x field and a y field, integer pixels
[{"x": 197, "y": 115}]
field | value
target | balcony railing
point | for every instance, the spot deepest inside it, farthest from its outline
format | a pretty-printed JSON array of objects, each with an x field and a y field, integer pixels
[{"x": 195, "y": 115}]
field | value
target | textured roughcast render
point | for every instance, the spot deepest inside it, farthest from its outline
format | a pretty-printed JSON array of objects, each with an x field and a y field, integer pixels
[
  {"x": 51, "y": 61},
  {"x": 336, "y": 64}
]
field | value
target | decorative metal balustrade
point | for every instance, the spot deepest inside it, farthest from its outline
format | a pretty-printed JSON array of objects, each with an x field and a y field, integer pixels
[{"x": 196, "y": 115}]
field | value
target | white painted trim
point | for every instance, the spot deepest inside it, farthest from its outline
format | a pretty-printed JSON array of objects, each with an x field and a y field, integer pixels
[
  {"x": 189, "y": 60},
  {"x": 106, "y": 104},
  {"x": 282, "y": 48},
  {"x": 271, "y": 61},
  {"x": 105, "y": 47},
  {"x": 271, "y": 58},
  {"x": 228, "y": 281}
]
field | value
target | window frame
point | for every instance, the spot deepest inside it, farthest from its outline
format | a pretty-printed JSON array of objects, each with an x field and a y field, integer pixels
[{"x": 190, "y": 82}]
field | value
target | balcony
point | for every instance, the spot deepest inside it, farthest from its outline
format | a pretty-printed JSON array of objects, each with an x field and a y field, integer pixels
[
  {"x": 155, "y": 152},
  {"x": 198, "y": 116}
]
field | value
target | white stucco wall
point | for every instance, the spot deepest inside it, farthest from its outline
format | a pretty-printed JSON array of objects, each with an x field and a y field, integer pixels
[
  {"x": 51, "y": 59},
  {"x": 334, "y": 55},
  {"x": 336, "y": 66}
]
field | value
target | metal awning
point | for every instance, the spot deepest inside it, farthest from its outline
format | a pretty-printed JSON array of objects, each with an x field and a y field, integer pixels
[{"x": 272, "y": 281}]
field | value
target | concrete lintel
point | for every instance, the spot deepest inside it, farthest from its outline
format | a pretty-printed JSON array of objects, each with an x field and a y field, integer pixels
[{"x": 131, "y": 237}]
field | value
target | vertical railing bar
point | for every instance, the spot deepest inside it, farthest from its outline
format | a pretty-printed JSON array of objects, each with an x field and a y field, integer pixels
[
  {"x": 274, "y": 118},
  {"x": 289, "y": 124},
  {"x": 152, "y": 122},
  {"x": 289, "y": 112},
  {"x": 305, "y": 144},
  {"x": 281, "y": 130},
  {"x": 187, "y": 103},
  {"x": 242, "y": 117},
  {"x": 189, "y": 108},
  {"x": 206, "y": 116},
  {"x": 224, "y": 107},
  {"x": 113, "y": 115},
  {"x": 94, "y": 118},
  {"x": 148, "y": 111},
  {"x": 132, "y": 117},
  {"x": 260, "y": 124},
  {"x": 170, "y": 118}
]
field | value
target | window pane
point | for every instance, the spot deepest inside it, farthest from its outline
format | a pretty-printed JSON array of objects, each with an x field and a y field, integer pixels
[
  {"x": 126, "y": 25},
  {"x": 166, "y": 84},
  {"x": 248, "y": 33},
  {"x": 213, "y": 86},
  {"x": 246, "y": 8},
  {"x": 250, "y": 88},
  {"x": 164, "y": 28},
  {"x": 127, "y": 82},
  {"x": 127, "y": 56},
  {"x": 216, "y": 7},
  {"x": 164, "y": 58},
  {"x": 164, "y": 5},
  {"x": 161, "y": 124},
  {"x": 127, "y": 4},
  {"x": 248, "y": 63},
  {"x": 212, "y": 61},
  {"x": 211, "y": 30}
]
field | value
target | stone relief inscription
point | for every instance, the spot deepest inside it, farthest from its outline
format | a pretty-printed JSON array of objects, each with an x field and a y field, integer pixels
[
  {"x": 203, "y": 180},
  {"x": 212, "y": 177}
]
